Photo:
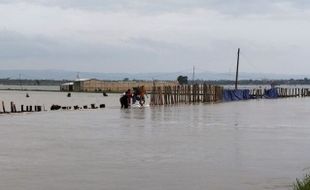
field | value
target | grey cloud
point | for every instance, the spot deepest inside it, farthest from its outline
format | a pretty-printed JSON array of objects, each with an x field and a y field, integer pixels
[
  {"x": 235, "y": 7},
  {"x": 21, "y": 52},
  {"x": 18, "y": 51},
  {"x": 15, "y": 45}
]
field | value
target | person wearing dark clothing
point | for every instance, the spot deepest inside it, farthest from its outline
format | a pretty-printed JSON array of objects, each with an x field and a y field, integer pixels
[{"x": 126, "y": 99}]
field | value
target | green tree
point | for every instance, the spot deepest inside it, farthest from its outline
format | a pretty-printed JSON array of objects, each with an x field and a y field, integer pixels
[
  {"x": 182, "y": 79},
  {"x": 302, "y": 184}
]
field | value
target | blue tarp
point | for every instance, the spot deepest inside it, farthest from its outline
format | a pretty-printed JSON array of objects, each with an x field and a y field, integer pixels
[
  {"x": 235, "y": 95},
  {"x": 271, "y": 93}
]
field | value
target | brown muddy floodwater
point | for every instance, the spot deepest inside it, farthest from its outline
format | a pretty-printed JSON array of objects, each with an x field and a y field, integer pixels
[{"x": 247, "y": 145}]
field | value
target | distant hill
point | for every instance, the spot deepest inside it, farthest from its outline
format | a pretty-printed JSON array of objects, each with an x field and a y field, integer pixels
[{"x": 71, "y": 75}]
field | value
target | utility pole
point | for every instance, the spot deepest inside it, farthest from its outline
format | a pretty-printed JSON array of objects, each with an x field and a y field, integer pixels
[
  {"x": 193, "y": 77},
  {"x": 20, "y": 81},
  {"x": 237, "y": 71},
  {"x": 78, "y": 75}
]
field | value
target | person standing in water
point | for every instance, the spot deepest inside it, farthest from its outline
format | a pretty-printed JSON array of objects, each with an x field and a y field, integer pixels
[
  {"x": 125, "y": 99},
  {"x": 142, "y": 95},
  {"x": 129, "y": 96}
]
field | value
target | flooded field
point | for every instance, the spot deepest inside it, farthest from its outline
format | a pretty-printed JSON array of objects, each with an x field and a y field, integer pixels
[
  {"x": 247, "y": 145},
  {"x": 25, "y": 87}
]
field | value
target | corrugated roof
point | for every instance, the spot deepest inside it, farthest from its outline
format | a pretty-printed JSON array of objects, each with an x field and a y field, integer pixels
[
  {"x": 67, "y": 84},
  {"x": 82, "y": 79}
]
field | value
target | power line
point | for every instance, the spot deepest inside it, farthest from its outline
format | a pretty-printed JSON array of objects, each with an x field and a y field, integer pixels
[{"x": 247, "y": 61}]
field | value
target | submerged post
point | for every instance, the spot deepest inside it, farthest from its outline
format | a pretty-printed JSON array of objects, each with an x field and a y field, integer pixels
[
  {"x": 237, "y": 71},
  {"x": 3, "y": 107}
]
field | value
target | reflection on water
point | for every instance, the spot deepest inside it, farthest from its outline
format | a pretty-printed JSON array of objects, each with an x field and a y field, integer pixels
[{"x": 259, "y": 144}]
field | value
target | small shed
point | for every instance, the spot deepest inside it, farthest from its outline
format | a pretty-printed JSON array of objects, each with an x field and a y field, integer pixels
[{"x": 67, "y": 87}]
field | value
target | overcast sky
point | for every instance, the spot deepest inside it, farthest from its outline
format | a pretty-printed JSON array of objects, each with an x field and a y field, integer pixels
[{"x": 151, "y": 36}]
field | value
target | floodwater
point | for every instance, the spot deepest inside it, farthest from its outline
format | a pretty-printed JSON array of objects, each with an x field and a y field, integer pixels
[
  {"x": 246, "y": 145},
  {"x": 26, "y": 87}
]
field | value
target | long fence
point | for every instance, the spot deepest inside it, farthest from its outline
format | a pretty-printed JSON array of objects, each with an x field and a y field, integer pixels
[
  {"x": 204, "y": 93},
  {"x": 170, "y": 95},
  {"x": 281, "y": 92},
  {"x": 186, "y": 94}
]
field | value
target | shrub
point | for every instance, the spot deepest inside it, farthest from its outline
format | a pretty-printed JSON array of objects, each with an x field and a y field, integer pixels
[{"x": 302, "y": 184}]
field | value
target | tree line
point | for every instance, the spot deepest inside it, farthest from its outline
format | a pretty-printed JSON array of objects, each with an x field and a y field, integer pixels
[
  {"x": 7, "y": 81},
  {"x": 184, "y": 80},
  {"x": 180, "y": 79}
]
